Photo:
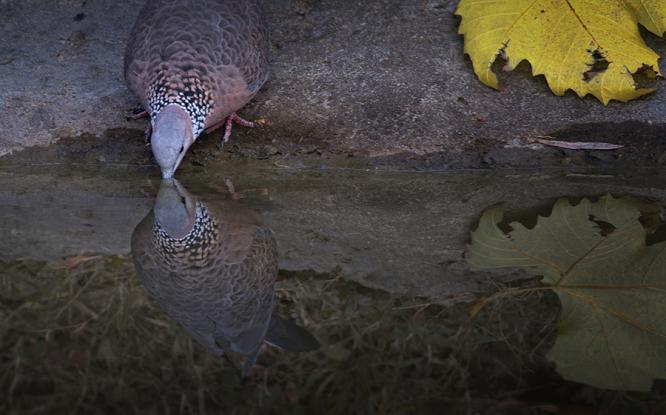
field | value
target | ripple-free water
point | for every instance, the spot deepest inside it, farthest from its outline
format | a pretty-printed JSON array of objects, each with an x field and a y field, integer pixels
[{"x": 371, "y": 263}]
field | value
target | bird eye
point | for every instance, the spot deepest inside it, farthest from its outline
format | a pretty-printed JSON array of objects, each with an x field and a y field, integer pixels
[
  {"x": 183, "y": 201},
  {"x": 181, "y": 149}
]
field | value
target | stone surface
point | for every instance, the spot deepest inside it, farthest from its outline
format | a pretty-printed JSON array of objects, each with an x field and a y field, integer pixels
[
  {"x": 369, "y": 78},
  {"x": 403, "y": 232}
]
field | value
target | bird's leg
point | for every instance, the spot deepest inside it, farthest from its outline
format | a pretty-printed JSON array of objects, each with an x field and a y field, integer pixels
[
  {"x": 241, "y": 121},
  {"x": 139, "y": 115},
  {"x": 229, "y": 123},
  {"x": 215, "y": 126},
  {"x": 234, "y": 118}
]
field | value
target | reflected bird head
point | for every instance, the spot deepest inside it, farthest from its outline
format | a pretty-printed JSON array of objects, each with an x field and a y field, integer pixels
[{"x": 175, "y": 209}]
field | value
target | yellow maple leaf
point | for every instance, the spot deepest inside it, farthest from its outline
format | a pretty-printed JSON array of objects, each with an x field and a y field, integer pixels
[
  {"x": 589, "y": 46},
  {"x": 650, "y": 13}
]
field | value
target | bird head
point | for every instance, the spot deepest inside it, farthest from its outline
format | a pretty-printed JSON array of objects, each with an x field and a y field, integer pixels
[
  {"x": 175, "y": 209},
  {"x": 172, "y": 136}
]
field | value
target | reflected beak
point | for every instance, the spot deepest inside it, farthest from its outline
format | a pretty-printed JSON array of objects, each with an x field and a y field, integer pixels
[{"x": 190, "y": 201}]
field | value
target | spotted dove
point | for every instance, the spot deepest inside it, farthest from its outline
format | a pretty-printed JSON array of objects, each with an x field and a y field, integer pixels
[
  {"x": 212, "y": 267},
  {"x": 193, "y": 64}
]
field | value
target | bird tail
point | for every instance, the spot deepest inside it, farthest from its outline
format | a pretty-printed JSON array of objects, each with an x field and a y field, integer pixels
[{"x": 286, "y": 335}]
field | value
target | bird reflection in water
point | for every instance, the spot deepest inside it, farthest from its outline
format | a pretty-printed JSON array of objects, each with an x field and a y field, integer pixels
[{"x": 212, "y": 267}]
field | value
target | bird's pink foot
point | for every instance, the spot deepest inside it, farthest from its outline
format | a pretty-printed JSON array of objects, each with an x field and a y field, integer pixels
[
  {"x": 136, "y": 113},
  {"x": 228, "y": 125},
  {"x": 139, "y": 115},
  {"x": 234, "y": 118}
]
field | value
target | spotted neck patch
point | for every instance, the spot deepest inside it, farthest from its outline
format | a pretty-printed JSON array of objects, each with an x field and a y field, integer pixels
[
  {"x": 194, "y": 246},
  {"x": 189, "y": 93}
]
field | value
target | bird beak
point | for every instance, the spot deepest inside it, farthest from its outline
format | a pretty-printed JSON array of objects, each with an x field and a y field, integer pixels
[{"x": 169, "y": 173}]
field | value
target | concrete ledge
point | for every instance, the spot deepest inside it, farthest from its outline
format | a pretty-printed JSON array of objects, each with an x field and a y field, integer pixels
[{"x": 376, "y": 78}]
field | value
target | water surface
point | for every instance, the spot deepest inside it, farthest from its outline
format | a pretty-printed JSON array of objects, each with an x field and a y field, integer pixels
[{"x": 371, "y": 263}]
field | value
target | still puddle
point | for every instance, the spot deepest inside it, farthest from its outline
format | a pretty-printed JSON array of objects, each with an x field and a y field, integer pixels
[{"x": 122, "y": 294}]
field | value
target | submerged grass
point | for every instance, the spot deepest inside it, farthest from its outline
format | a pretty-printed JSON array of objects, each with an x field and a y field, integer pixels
[{"x": 82, "y": 337}]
